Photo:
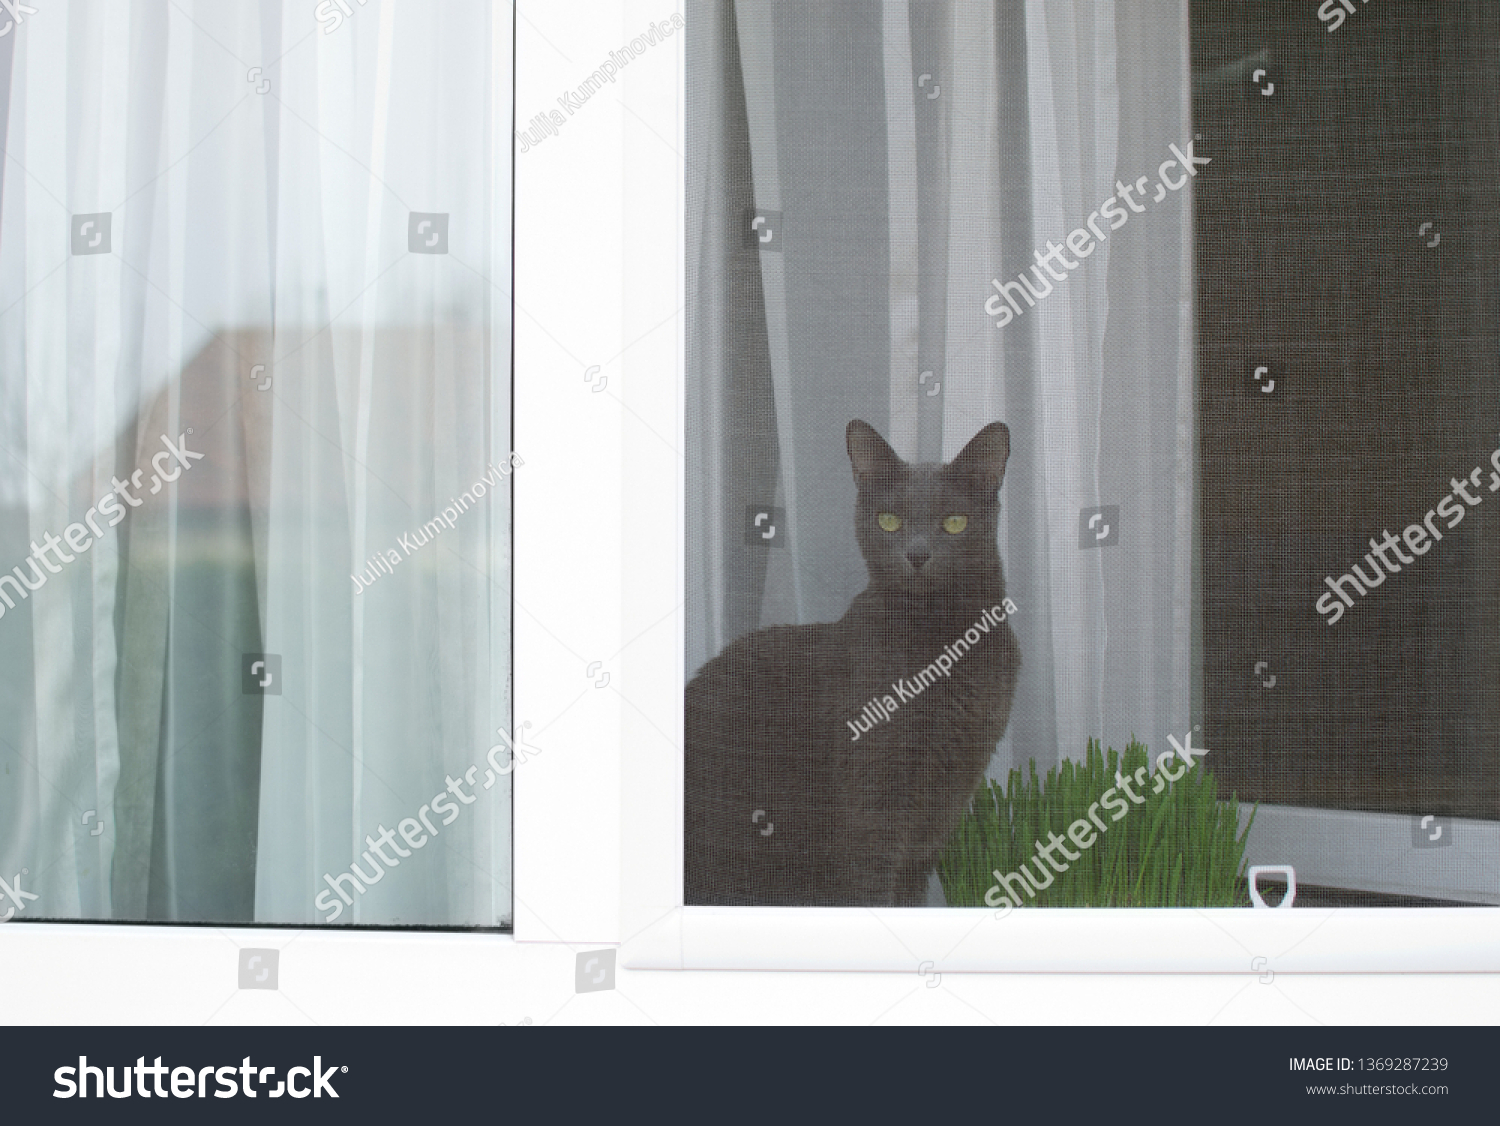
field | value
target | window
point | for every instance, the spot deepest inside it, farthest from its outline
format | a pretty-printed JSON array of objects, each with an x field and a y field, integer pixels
[
  {"x": 1227, "y": 299},
  {"x": 629, "y": 571},
  {"x": 256, "y": 424}
]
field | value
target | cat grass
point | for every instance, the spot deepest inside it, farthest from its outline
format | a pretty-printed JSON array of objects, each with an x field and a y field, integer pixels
[{"x": 1182, "y": 848}]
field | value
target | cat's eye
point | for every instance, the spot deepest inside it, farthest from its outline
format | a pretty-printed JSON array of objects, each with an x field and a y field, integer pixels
[
  {"x": 890, "y": 521},
  {"x": 955, "y": 524}
]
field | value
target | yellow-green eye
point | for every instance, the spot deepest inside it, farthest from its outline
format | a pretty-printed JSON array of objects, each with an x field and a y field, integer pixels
[
  {"x": 955, "y": 524},
  {"x": 890, "y": 521}
]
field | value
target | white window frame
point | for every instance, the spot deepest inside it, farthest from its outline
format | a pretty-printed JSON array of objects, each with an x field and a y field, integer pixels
[
  {"x": 599, "y": 576},
  {"x": 660, "y": 934}
]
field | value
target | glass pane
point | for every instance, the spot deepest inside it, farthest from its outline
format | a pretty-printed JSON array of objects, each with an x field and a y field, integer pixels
[
  {"x": 255, "y": 489},
  {"x": 1047, "y": 367}
]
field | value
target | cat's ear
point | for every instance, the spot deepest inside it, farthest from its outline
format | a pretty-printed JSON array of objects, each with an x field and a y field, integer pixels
[
  {"x": 871, "y": 457},
  {"x": 983, "y": 459}
]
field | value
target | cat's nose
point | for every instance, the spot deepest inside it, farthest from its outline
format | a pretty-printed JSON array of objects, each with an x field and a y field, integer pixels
[{"x": 917, "y": 555}]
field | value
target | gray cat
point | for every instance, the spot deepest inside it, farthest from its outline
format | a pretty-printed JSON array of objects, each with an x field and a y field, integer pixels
[{"x": 827, "y": 764}]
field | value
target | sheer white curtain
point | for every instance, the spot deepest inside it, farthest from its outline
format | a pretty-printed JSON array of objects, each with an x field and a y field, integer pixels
[
  {"x": 1109, "y": 649},
  {"x": 260, "y": 172},
  {"x": 914, "y": 152}
]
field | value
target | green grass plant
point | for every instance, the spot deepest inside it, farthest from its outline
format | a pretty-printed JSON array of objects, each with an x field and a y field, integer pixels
[{"x": 1182, "y": 848}]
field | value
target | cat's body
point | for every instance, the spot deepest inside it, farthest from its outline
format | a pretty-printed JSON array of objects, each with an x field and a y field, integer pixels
[{"x": 784, "y": 804}]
